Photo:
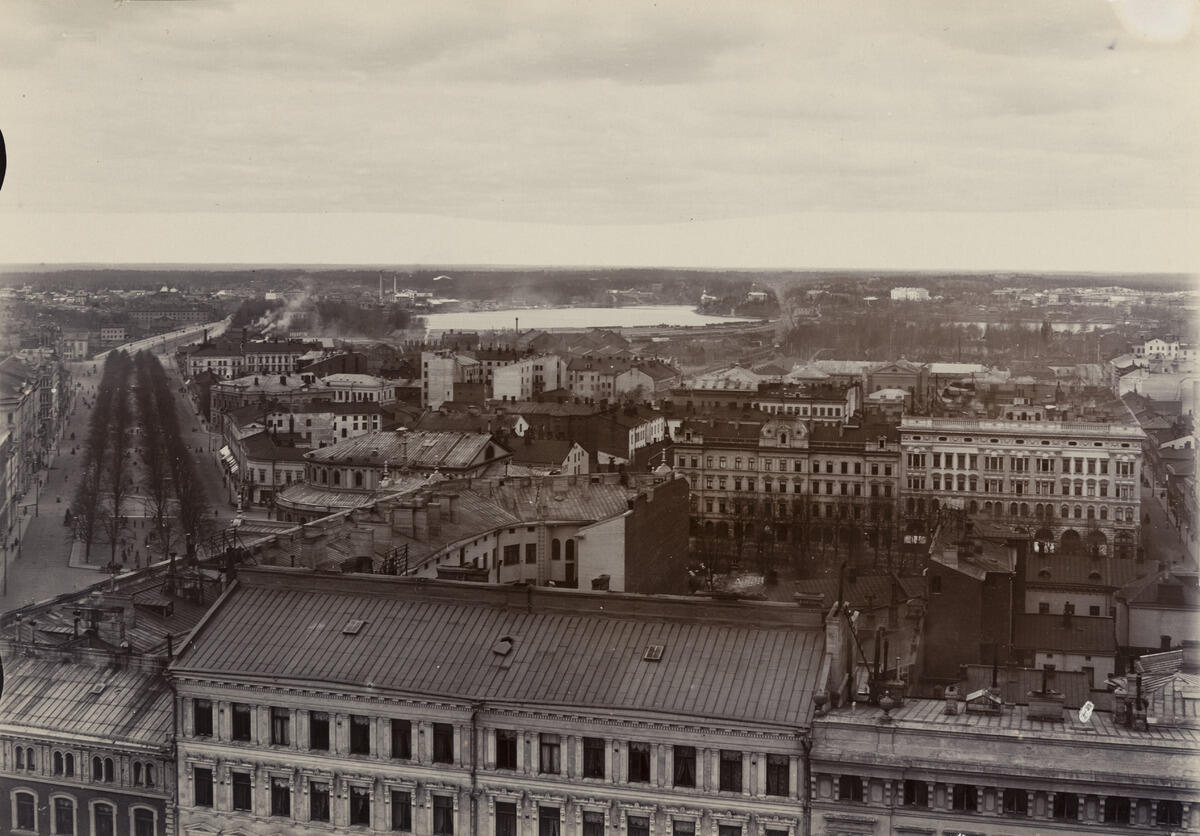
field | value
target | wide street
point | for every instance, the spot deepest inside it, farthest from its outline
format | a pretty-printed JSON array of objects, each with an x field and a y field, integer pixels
[{"x": 39, "y": 566}]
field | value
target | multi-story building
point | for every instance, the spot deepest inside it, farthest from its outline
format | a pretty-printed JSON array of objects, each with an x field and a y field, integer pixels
[
  {"x": 802, "y": 484},
  {"x": 113, "y": 334},
  {"x": 229, "y": 359},
  {"x": 525, "y": 380},
  {"x": 1073, "y": 484},
  {"x": 983, "y": 766},
  {"x": 442, "y": 370},
  {"x": 819, "y": 403},
  {"x": 87, "y": 720},
  {"x": 459, "y": 709}
]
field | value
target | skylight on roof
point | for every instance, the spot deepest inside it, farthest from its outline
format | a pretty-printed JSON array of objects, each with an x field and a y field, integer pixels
[
  {"x": 353, "y": 627},
  {"x": 653, "y": 653}
]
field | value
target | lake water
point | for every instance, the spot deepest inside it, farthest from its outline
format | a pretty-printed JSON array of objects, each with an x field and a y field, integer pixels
[{"x": 550, "y": 319}]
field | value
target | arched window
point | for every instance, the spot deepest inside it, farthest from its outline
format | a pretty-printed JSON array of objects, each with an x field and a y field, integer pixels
[
  {"x": 337, "y": 477},
  {"x": 1066, "y": 512},
  {"x": 97, "y": 769},
  {"x": 1078, "y": 512},
  {"x": 1024, "y": 509},
  {"x": 358, "y": 479},
  {"x": 20, "y": 757},
  {"x": 137, "y": 774},
  {"x": 556, "y": 549},
  {"x": 69, "y": 760},
  {"x": 570, "y": 549},
  {"x": 1128, "y": 515},
  {"x": 63, "y": 814},
  {"x": 24, "y": 810},
  {"x": 144, "y": 821},
  {"x": 104, "y": 819},
  {"x": 30, "y": 763},
  {"x": 1012, "y": 509},
  {"x": 1091, "y": 513},
  {"x": 149, "y": 774},
  {"x": 58, "y": 763},
  {"x": 108, "y": 770}
]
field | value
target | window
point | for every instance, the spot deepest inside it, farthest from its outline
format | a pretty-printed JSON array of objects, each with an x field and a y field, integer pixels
[
  {"x": 778, "y": 780},
  {"x": 280, "y": 727},
  {"x": 281, "y": 797},
  {"x": 593, "y": 757},
  {"x": 1016, "y": 802},
  {"x": 531, "y": 552},
  {"x": 506, "y": 818},
  {"x": 318, "y": 731},
  {"x": 935, "y": 584},
  {"x": 443, "y": 743},
  {"x": 108, "y": 770},
  {"x": 360, "y": 806},
  {"x": 202, "y": 786},
  {"x": 850, "y": 788},
  {"x": 593, "y": 823},
  {"x": 512, "y": 555},
  {"x": 548, "y": 751},
  {"x": 318, "y": 801},
  {"x": 729, "y": 830},
  {"x": 64, "y": 816},
  {"x": 31, "y": 762},
  {"x": 1170, "y": 813},
  {"x": 443, "y": 815},
  {"x": 731, "y": 771},
  {"x": 548, "y": 821},
  {"x": 360, "y": 735},
  {"x": 241, "y": 790},
  {"x": 24, "y": 815},
  {"x": 401, "y": 739},
  {"x": 506, "y": 749},
  {"x": 639, "y": 763},
  {"x": 202, "y": 718},
  {"x": 241, "y": 722},
  {"x": 104, "y": 820},
  {"x": 69, "y": 765},
  {"x": 1043, "y": 607},
  {"x": 916, "y": 794},
  {"x": 685, "y": 766},
  {"x": 637, "y": 825},
  {"x": 401, "y": 810},
  {"x": 1066, "y": 806},
  {"x": 1117, "y": 810},
  {"x": 963, "y": 798},
  {"x": 683, "y": 827}
]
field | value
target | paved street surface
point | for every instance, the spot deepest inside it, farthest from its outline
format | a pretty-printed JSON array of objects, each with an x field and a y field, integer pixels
[
  {"x": 40, "y": 567},
  {"x": 1160, "y": 539}
]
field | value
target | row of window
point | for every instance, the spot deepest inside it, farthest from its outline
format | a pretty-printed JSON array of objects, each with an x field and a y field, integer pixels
[
  {"x": 968, "y": 439},
  {"x": 103, "y": 769},
  {"x": 768, "y": 465},
  {"x": 63, "y": 811},
  {"x": 1064, "y": 806},
  {"x": 358, "y": 809},
  {"x": 768, "y": 485},
  {"x": 996, "y": 464},
  {"x": 549, "y": 747},
  {"x": 816, "y": 510}
]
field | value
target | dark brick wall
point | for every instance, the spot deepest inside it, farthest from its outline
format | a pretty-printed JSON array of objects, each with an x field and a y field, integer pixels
[
  {"x": 122, "y": 800},
  {"x": 656, "y": 541}
]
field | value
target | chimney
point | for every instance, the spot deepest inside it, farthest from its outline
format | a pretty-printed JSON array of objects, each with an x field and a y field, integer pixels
[
  {"x": 600, "y": 584},
  {"x": 951, "y": 700},
  {"x": 1191, "y": 657}
]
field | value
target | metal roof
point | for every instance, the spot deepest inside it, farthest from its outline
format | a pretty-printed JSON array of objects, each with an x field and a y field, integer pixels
[
  {"x": 86, "y": 701},
  {"x": 738, "y": 661},
  {"x": 414, "y": 448},
  {"x": 1077, "y": 634}
]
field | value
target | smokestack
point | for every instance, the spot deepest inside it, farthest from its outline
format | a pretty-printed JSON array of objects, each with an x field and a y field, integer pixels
[
  {"x": 393, "y": 286},
  {"x": 380, "y": 285}
]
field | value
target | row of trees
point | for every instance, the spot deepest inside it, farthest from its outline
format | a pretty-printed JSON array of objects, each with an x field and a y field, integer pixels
[
  {"x": 170, "y": 469},
  {"x": 106, "y": 482},
  {"x": 109, "y": 474}
]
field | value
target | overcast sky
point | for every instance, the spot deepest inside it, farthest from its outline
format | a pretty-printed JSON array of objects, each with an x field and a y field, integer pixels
[{"x": 999, "y": 135}]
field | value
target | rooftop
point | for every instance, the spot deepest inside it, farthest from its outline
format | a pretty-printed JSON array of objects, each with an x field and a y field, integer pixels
[
  {"x": 1092, "y": 635},
  {"x": 719, "y": 660},
  {"x": 412, "y": 448}
]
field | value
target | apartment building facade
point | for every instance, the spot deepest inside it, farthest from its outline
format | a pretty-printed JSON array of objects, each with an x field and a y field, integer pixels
[
  {"x": 511, "y": 738},
  {"x": 1073, "y": 484}
]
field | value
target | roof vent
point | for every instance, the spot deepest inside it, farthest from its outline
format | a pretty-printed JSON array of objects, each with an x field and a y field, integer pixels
[
  {"x": 97, "y": 689},
  {"x": 353, "y": 627},
  {"x": 654, "y": 653},
  {"x": 503, "y": 646}
]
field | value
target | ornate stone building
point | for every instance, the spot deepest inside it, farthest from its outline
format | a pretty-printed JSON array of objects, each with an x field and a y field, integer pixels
[{"x": 387, "y": 704}]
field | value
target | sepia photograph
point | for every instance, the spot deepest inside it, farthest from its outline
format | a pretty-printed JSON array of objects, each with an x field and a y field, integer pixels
[{"x": 532, "y": 418}]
